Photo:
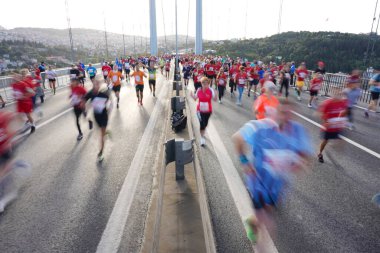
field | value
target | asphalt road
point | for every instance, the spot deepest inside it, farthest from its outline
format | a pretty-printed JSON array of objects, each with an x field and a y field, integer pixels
[
  {"x": 67, "y": 202},
  {"x": 326, "y": 210}
]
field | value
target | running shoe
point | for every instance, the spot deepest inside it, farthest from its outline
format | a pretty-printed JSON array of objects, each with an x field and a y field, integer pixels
[
  {"x": 250, "y": 229},
  {"x": 220, "y": 101},
  {"x": 203, "y": 141},
  {"x": 376, "y": 200},
  {"x": 366, "y": 114},
  {"x": 3, "y": 105},
  {"x": 309, "y": 105},
  {"x": 154, "y": 94},
  {"x": 117, "y": 105},
  {"x": 80, "y": 137},
  {"x": 100, "y": 157},
  {"x": 32, "y": 129},
  {"x": 90, "y": 124},
  {"x": 320, "y": 158},
  {"x": 299, "y": 98}
]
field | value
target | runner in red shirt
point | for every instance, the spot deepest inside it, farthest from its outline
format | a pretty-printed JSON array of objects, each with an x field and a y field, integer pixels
[
  {"x": 333, "y": 113},
  {"x": 77, "y": 96},
  {"x": 241, "y": 80},
  {"x": 315, "y": 86},
  {"x": 197, "y": 73},
  {"x": 204, "y": 106},
  {"x": 221, "y": 80},
  {"x": 23, "y": 93},
  {"x": 167, "y": 69},
  {"x": 106, "y": 69},
  {"x": 210, "y": 71},
  {"x": 232, "y": 73}
]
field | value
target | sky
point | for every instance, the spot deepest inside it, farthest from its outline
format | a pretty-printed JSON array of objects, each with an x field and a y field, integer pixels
[{"x": 222, "y": 19}]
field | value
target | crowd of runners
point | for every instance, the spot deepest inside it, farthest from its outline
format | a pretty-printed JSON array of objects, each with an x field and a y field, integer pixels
[{"x": 280, "y": 145}]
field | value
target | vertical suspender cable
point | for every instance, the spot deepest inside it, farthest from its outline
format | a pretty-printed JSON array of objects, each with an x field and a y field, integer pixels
[
  {"x": 163, "y": 21},
  {"x": 370, "y": 34},
  {"x": 188, "y": 17}
]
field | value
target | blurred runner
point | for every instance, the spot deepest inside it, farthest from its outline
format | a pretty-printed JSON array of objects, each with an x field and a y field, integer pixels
[
  {"x": 51, "y": 75},
  {"x": 333, "y": 113},
  {"x": 352, "y": 93},
  {"x": 266, "y": 102},
  {"x": 23, "y": 92},
  {"x": 280, "y": 147},
  {"x": 221, "y": 80},
  {"x": 106, "y": 69},
  {"x": 127, "y": 69},
  {"x": 204, "y": 106},
  {"x": 91, "y": 72},
  {"x": 114, "y": 80},
  {"x": 102, "y": 104},
  {"x": 301, "y": 74},
  {"x": 77, "y": 95},
  {"x": 167, "y": 69},
  {"x": 152, "y": 77},
  {"x": 315, "y": 86},
  {"x": 284, "y": 82},
  {"x": 241, "y": 79},
  {"x": 139, "y": 82},
  {"x": 186, "y": 73},
  {"x": 198, "y": 73},
  {"x": 233, "y": 72},
  {"x": 13, "y": 174},
  {"x": 375, "y": 92}
]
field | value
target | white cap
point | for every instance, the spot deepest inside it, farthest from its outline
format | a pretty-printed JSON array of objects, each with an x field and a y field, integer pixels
[{"x": 268, "y": 85}]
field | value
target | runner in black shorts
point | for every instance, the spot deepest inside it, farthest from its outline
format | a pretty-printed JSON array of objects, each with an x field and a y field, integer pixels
[{"x": 100, "y": 100}]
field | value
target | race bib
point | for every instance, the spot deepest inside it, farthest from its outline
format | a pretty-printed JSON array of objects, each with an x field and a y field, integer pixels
[
  {"x": 75, "y": 100},
  {"x": 137, "y": 78},
  {"x": 204, "y": 107},
  {"x": 151, "y": 76},
  {"x": 337, "y": 122},
  {"x": 90, "y": 71},
  {"x": 115, "y": 79},
  {"x": 221, "y": 82},
  {"x": 287, "y": 75},
  {"x": 302, "y": 75},
  {"x": 241, "y": 81},
  {"x": 99, "y": 104},
  {"x": 211, "y": 69},
  {"x": 105, "y": 73},
  {"x": 280, "y": 162},
  {"x": 233, "y": 76},
  {"x": 17, "y": 94}
]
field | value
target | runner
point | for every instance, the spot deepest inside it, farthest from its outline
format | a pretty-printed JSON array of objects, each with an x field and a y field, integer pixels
[
  {"x": 279, "y": 147},
  {"x": 292, "y": 71},
  {"x": 233, "y": 72},
  {"x": 210, "y": 71},
  {"x": 76, "y": 96},
  {"x": 198, "y": 73},
  {"x": 284, "y": 82},
  {"x": 91, "y": 72},
  {"x": 333, "y": 113},
  {"x": 102, "y": 105},
  {"x": 221, "y": 80},
  {"x": 263, "y": 104},
  {"x": 82, "y": 73},
  {"x": 13, "y": 174},
  {"x": 241, "y": 79},
  {"x": 2, "y": 102},
  {"x": 42, "y": 69},
  {"x": 114, "y": 80},
  {"x": 23, "y": 93},
  {"x": 352, "y": 93},
  {"x": 106, "y": 69},
  {"x": 315, "y": 86},
  {"x": 254, "y": 80},
  {"x": 152, "y": 78},
  {"x": 127, "y": 69},
  {"x": 204, "y": 106},
  {"x": 51, "y": 75},
  {"x": 162, "y": 65},
  {"x": 301, "y": 74},
  {"x": 375, "y": 92},
  {"x": 186, "y": 73},
  {"x": 139, "y": 82},
  {"x": 167, "y": 69}
]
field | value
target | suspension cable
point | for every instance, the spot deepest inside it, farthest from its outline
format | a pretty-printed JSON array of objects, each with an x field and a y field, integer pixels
[
  {"x": 188, "y": 18},
  {"x": 163, "y": 21}
]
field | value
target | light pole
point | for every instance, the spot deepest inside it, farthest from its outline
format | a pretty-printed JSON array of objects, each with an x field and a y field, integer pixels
[{"x": 198, "y": 35}]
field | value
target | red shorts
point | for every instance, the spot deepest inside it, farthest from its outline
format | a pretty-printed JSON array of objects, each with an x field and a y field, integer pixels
[{"x": 24, "y": 106}]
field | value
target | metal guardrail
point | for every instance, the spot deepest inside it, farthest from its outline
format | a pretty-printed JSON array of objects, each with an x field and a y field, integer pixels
[
  {"x": 339, "y": 81},
  {"x": 62, "y": 80}
]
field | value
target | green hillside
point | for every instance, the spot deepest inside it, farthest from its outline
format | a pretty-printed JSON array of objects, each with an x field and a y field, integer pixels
[{"x": 340, "y": 51}]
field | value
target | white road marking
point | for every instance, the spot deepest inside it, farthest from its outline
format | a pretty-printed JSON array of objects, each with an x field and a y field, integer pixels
[
  {"x": 111, "y": 237},
  {"x": 369, "y": 151},
  {"x": 235, "y": 184}
]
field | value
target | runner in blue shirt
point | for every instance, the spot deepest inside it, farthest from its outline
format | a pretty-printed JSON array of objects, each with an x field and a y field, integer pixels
[
  {"x": 375, "y": 92},
  {"x": 279, "y": 147},
  {"x": 91, "y": 71}
]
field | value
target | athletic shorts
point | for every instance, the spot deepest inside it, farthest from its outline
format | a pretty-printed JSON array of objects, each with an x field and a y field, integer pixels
[
  {"x": 232, "y": 83},
  {"x": 300, "y": 83},
  {"x": 105, "y": 77},
  {"x": 127, "y": 71},
  {"x": 197, "y": 85},
  {"x": 152, "y": 82},
  {"x": 139, "y": 87},
  {"x": 313, "y": 93},
  {"x": 375, "y": 95},
  {"x": 116, "y": 88},
  {"x": 254, "y": 82},
  {"x": 203, "y": 119},
  {"x": 101, "y": 119},
  {"x": 186, "y": 76},
  {"x": 52, "y": 80},
  {"x": 24, "y": 107},
  {"x": 211, "y": 76},
  {"x": 330, "y": 135}
]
